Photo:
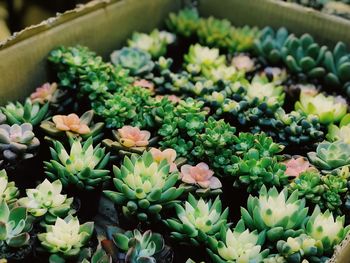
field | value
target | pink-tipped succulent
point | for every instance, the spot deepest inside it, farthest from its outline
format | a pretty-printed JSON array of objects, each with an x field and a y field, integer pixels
[
  {"x": 167, "y": 154},
  {"x": 144, "y": 84},
  {"x": 70, "y": 122},
  {"x": 297, "y": 165},
  {"x": 200, "y": 175},
  {"x": 133, "y": 137},
  {"x": 243, "y": 62},
  {"x": 44, "y": 93}
]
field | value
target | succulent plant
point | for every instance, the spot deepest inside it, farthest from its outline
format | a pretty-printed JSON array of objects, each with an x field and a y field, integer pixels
[
  {"x": 138, "y": 62},
  {"x": 184, "y": 23},
  {"x": 13, "y": 226},
  {"x": 29, "y": 112},
  {"x": 144, "y": 187},
  {"x": 17, "y": 142},
  {"x": 155, "y": 43},
  {"x": 304, "y": 56},
  {"x": 169, "y": 155},
  {"x": 296, "y": 165},
  {"x": 8, "y": 191},
  {"x": 100, "y": 256},
  {"x": 243, "y": 62},
  {"x": 45, "y": 93},
  {"x": 269, "y": 45},
  {"x": 341, "y": 132},
  {"x": 273, "y": 258},
  {"x": 146, "y": 247},
  {"x": 47, "y": 201},
  {"x": 66, "y": 238},
  {"x": 2, "y": 118},
  {"x": 327, "y": 229},
  {"x": 237, "y": 245},
  {"x": 81, "y": 168},
  {"x": 330, "y": 155},
  {"x": 197, "y": 220},
  {"x": 301, "y": 248},
  {"x": 329, "y": 109},
  {"x": 280, "y": 214},
  {"x": 73, "y": 127},
  {"x": 242, "y": 38}
]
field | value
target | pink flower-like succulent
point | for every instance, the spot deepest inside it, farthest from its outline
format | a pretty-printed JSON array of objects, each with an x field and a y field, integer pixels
[
  {"x": 144, "y": 84},
  {"x": 243, "y": 62},
  {"x": 70, "y": 122},
  {"x": 167, "y": 154},
  {"x": 44, "y": 93},
  {"x": 132, "y": 136},
  {"x": 296, "y": 166},
  {"x": 201, "y": 175}
]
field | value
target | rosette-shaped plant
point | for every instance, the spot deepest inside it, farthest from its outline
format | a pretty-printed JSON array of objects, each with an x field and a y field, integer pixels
[
  {"x": 327, "y": 229},
  {"x": 197, "y": 220},
  {"x": 47, "y": 201},
  {"x": 100, "y": 256},
  {"x": 13, "y": 227},
  {"x": 169, "y": 155},
  {"x": 137, "y": 61},
  {"x": 297, "y": 165},
  {"x": 341, "y": 132},
  {"x": 238, "y": 245},
  {"x": 66, "y": 238},
  {"x": 300, "y": 248},
  {"x": 304, "y": 56},
  {"x": 8, "y": 191},
  {"x": 144, "y": 187},
  {"x": 269, "y": 45},
  {"x": 184, "y": 23},
  {"x": 329, "y": 109},
  {"x": 2, "y": 118},
  {"x": 242, "y": 38},
  {"x": 73, "y": 127},
  {"x": 17, "y": 142},
  {"x": 29, "y": 112},
  {"x": 155, "y": 43},
  {"x": 83, "y": 167},
  {"x": 44, "y": 93},
  {"x": 281, "y": 216},
  {"x": 243, "y": 63},
  {"x": 147, "y": 247},
  {"x": 330, "y": 155}
]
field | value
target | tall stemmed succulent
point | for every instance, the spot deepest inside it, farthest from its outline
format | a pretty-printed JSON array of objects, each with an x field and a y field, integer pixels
[
  {"x": 144, "y": 187},
  {"x": 280, "y": 214},
  {"x": 197, "y": 220},
  {"x": 81, "y": 168},
  {"x": 184, "y": 23},
  {"x": 8, "y": 191}
]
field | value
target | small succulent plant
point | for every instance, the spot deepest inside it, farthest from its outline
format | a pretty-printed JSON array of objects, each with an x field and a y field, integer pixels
[
  {"x": 197, "y": 220},
  {"x": 29, "y": 112},
  {"x": 184, "y": 23},
  {"x": 144, "y": 186},
  {"x": 100, "y": 256},
  {"x": 45, "y": 93},
  {"x": 237, "y": 245},
  {"x": 327, "y": 229},
  {"x": 155, "y": 43},
  {"x": 73, "y": 127},
  {"x": 304, "y": 56},
  {"x": 138, "y": 62},
  {"x": 168, "y": 154},
  {"x": 82, "y": 168},
  {"x": 17, "y": 142},
  {"x": 341, "y": 132},
  {"x": 66, "y": 238},
  {"x": 13, "y": 226},
  {"x": 47, "y": 201},
  {"x": 330, "y": 155},
  {"x": 269, "y": 45},
  {"x": 242, "y": 38},
  {"x": 2, "y": 118},
  {"x": 329, "y": 109},
  {"x": 145, "y": 247},
  {"x": 280, "y": 214},
  {"x": 297, "y": 165},
  {"x": 243, "y": 63},
  {"x": 8, "y": 191}
]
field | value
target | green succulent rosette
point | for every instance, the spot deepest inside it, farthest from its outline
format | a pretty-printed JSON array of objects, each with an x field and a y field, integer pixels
[
  {"x": 8, "y": 191},
  {"x": 341, "y": 132},
  {"x": 183, "y": 23}
]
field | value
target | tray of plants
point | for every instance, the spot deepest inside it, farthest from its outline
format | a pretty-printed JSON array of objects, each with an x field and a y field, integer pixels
[{"x": 198, "y": 142}]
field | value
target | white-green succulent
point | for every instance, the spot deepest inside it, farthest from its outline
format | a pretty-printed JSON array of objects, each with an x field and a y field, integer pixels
[{"x": 8, "y": 191}]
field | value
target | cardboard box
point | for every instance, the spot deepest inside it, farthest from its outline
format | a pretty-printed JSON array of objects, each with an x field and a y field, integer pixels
[{"x": 104, "y": 25}]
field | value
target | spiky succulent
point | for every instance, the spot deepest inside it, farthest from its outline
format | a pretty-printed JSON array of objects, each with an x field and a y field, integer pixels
[
  {"x": 330, "y": 155},
  {"x": 137, "y": 61},
  {"x": 269, "y": 45},
  {"x": 280, "y": 214},
  {"x": 304, "y": 56},
  {"x": 13, "y": 226},
  {"x": 29, "y": 112},
  {"x": 197, "y": 220},
  {"x": 144, "y": 187},
  {"x": 341, "y": 132},
  {"x": 46, "y": 201},
  {"x": 66, "y": 238},
  {"x": 17, "y": 142},
  {"x": 8, "y": 191},
  {"x": 145, "y": 247},
  {"x": 184, "y": 23},
  {"x": 81, "y": 168},
  {"x": 326, "y": 228},
  {"x": 329, "y": 109}
]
